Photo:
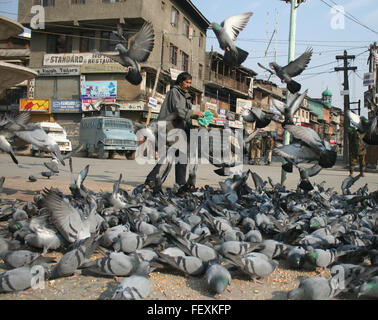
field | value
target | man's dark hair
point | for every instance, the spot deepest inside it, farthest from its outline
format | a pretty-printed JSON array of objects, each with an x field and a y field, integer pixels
[{"x": 182, "y": 77}]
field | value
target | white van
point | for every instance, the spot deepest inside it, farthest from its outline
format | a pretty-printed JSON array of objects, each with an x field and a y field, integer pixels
[{"x": 55, "y": 131}]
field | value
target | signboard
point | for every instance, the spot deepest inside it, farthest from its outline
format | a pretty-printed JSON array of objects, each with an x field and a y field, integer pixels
[
  {"x": 90, "y": 104},
  {"x": 174, "y": 73},
  {"x": 99, "y": 89},
  {"x": 75, "y": 59},
  {"x": 40, "y": 106},
  {"x": 58, "y": 71},
  {"x": 65, "y": 106},
  {"x": 31, "y": 88},
  {"x": 368, "y": 79},
  {"x": 134, "y": 107},
  {"x": 242, "y": 104},
  {"x": 344, "y": 92},
  {"x": 153, "y": 103},
  {"x": 103, "y": 68}
]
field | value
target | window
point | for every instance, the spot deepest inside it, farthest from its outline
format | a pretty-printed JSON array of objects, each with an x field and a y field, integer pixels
[
  {"x": 86, "y": 41},
  {"x": 59, "y": 44},
  {"x": 200, "y": 70},
  {"x": 173, "y": 54},
  {"x": 174, "y": 17},
  {"x": 201, "y": 40},
  {"x": 45, "y": 3},
  {"x": 108, "y": 41},
  {"x": 185, "y": 62},
  {"x": 185, "y": 28},
  {"x": 77, "y": 1}
]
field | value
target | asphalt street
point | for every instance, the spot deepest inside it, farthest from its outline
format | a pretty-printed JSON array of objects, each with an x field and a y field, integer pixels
[{"x": 103, "y": 173}]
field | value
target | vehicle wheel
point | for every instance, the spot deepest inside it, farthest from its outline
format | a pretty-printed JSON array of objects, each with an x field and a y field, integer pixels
[
  {"x": 32, "y": 152},
  {"x": 130, "y": 155},
  {"x": 111, "y": 154},
  {"x": 102, "y": 154}
]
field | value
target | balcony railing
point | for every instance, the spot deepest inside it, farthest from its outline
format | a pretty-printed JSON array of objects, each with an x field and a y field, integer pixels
[{"x": 227, "y": 82}]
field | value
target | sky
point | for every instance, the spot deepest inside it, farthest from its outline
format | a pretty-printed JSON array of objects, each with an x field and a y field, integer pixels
[{"x": 317, "y": 27}]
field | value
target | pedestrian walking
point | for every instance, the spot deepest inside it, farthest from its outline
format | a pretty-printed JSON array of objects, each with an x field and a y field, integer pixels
[
  {"x": 357, "y": 150},
  {"x": 269, "y": 145}
]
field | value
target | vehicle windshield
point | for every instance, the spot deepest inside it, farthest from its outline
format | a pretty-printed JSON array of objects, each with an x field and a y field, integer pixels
[{"x": 117, "y": 124}]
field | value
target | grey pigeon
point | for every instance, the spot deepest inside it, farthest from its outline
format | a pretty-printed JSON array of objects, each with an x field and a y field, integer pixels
[
  {"x": 9, "y": 125},
  {"x": 217, "y": 278},
  {"x": 293, "y": 69},
  {"x": 227, "y": 32},
  {"x": 23, "y": 278},
  {"x": 32, "y": 178},
  {"x": 369, "y": 288},
  {"x": 273, "y": 248},
  {"x": 70, "y": 222},
  {"x": 110, "y": 236},
  {"x": 258, "y": 116},
  {"x": 38, "y": 137},
  {"x": 22, "y": 258},
  {"x": 348, "y": 182},
  {"x": 43, "y": 235},
  {"x": 112, "y": 264},
  {"x": 315, "y": 288},
  {"x": 47, "y": 174},
  {"x": 256, "y": 266},
  {"x": 135, "y": 287},
  {"x": 129, "y": 241},
  {"x": 326, "y": 153},
  {"x": 289, "y": 109},
  {"x": 188, "y": 264},
  {"x": 296, "y": 257},
  {"x": 139, "y": 51},
  {"x": 322, "y": 258},
  {"x": 201, "y": 251},
  {"x": 73, "y": 260}
]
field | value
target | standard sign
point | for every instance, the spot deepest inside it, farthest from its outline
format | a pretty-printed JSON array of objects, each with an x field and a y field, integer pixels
[{"x": 77, "y": 59}]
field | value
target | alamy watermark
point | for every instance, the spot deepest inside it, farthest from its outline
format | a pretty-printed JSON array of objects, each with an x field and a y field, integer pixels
[
  {"x": 38, "y": 20},
  {"x": 338, "y": 17},
  {"x": 195, "y": 146}
]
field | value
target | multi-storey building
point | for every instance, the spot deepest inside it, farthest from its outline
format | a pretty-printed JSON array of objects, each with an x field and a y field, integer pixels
[{"x": 62, "y": 51}]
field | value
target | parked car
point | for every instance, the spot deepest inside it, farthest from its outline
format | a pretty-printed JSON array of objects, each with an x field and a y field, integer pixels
[
  {"x": 106, "y": 135},
  {"x": 56, "y": 131}
]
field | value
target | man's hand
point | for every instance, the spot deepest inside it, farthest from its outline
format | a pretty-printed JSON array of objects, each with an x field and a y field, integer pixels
[{"x": 197, "y": 115}]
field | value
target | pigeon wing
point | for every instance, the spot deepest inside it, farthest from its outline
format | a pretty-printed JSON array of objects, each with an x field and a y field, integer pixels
[
  {"x": 234, "y": 24},
  {"x": 296, "y": 151},
  {"x": 297, "y": 66},
  {"x": 36, "y": 136},
  {"x": 142, "y": 45},
  {"x": 65, "y": 217},
  {"x": 307, "y": 135}
]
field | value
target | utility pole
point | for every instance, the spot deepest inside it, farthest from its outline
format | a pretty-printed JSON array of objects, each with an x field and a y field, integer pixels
[
  {"x": 345, "y": 57},
  {"x": 293, "y": 25}
]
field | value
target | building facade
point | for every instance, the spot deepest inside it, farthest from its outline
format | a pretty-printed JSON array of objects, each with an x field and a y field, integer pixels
[{"x": 62, "y": 52}]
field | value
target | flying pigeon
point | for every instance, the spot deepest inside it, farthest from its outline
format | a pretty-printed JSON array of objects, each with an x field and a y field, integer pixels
[
  {"x": 289, "y": 109},
  {"x": 288, "y": 72},
  {"x": 140, "y": 48},
  {"x": 227, "y": 32}
]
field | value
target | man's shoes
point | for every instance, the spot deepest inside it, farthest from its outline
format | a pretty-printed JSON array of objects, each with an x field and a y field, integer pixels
[
  {"x": 362, "y": 174},
  {"x": 351, "y": 174}
]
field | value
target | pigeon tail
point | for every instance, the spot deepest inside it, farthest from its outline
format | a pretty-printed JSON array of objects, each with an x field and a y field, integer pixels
[
  {"x": 328, "y": 160},
  {"x": 235, "y": 57},
  {"x": 134, "y": 77},
  {"x": 293, "y": 86}
]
